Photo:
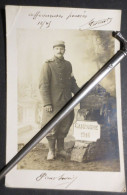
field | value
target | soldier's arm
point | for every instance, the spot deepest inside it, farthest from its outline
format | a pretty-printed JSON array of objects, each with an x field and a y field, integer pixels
[
  {"x": 74, "y": 86},
  {"x": 44, "y": 84}
]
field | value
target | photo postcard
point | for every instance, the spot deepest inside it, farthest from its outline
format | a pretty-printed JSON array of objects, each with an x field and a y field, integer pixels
[{"x": 51, "y": 53}]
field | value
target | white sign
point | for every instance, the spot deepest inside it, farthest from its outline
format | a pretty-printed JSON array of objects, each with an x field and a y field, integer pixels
[{"x": 87, "y": 130}]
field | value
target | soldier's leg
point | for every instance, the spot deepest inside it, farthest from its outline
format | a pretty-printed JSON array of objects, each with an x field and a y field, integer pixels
[
  {"x": 51, "y": 146},
  {"x": 62, "y": 132},
  {"x": 51, "y": 137},
  {"x": 60, "y": 148}
]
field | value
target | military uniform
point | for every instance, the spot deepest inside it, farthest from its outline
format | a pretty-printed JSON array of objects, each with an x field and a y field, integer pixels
[{"x": 57, "y": 84}]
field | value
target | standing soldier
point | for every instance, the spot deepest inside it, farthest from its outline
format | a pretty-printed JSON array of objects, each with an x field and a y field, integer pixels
[{"x": 57, "y": 84}]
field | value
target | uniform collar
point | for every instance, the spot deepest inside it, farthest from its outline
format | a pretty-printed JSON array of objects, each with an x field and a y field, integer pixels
[{"x": 58, "y": 59}]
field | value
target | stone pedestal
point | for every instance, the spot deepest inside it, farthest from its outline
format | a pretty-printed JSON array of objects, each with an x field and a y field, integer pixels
[
  {"x": 104, "y": 148},
  {"x": 94, "y": 141},
  {"x": 79, "y": 151}
]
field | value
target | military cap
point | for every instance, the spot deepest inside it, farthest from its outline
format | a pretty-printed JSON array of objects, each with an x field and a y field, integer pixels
[{"x": 59, "y": 43}]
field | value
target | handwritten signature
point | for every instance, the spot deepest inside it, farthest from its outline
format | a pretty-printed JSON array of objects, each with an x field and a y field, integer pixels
[
  {"x": 92, "y": 24},
  {"x": 63, "y": 180}
]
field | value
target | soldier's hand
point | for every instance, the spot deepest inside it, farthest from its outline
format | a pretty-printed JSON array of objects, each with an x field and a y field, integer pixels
[{"x": 48, "y": 108}]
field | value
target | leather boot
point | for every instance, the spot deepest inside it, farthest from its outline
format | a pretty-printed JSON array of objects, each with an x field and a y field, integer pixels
[
  {"x": 60, "y": 148},
  {"x": 51, "y": 153}
]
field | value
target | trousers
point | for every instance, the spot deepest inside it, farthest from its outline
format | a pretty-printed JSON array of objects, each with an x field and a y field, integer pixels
[{"x": 61, "y": 130}]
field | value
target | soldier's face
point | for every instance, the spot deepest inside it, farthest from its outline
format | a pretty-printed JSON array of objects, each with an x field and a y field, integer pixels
[{"x": 59, "y": 51}]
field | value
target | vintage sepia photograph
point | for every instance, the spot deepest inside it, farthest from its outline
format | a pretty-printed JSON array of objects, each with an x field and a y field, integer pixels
[
  {"x": 52, "y": 52},
  {"x": 52, "y": 67}
]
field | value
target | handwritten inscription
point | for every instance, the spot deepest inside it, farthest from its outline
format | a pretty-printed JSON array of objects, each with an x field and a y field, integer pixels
[
  {"x": 38, "y": 15},
  {"x": 45, "y": 24},
  {"x": 73, "y": 15},
  {"x": 45, "y": 20},
  {"x": 92, "y": 24},
  {"x": 62, "y": 180}
]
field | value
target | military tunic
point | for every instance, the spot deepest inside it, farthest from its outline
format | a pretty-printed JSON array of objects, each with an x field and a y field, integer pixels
[{"x": 56, "y": 87}]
